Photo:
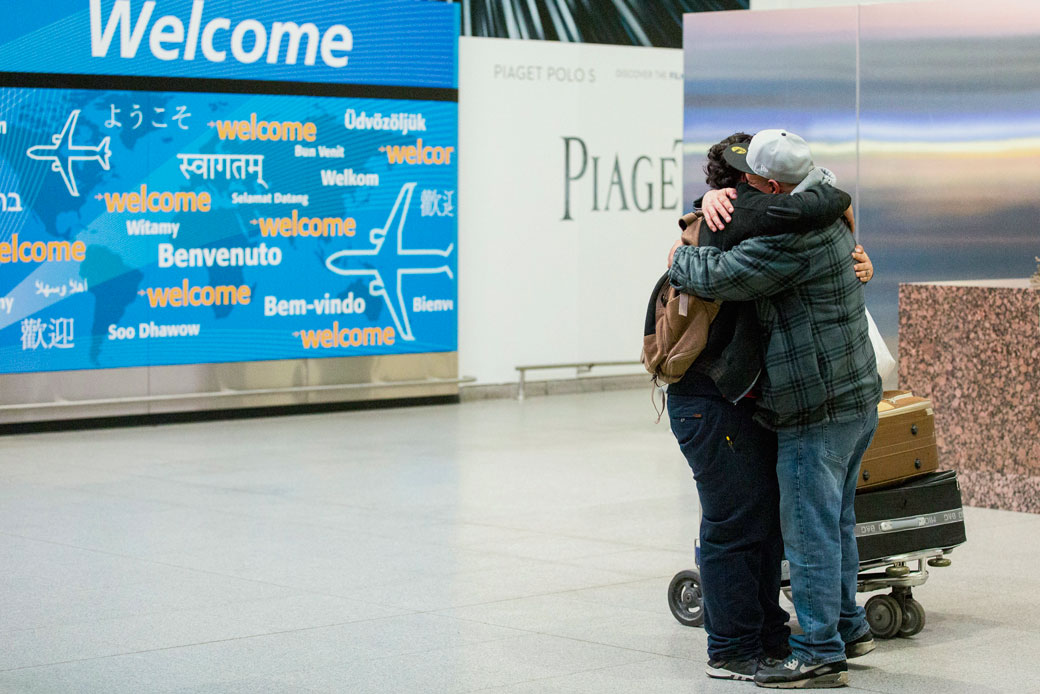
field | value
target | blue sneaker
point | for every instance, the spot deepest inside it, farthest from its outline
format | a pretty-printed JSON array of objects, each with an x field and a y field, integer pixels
[{"x": 794, "y": 674}]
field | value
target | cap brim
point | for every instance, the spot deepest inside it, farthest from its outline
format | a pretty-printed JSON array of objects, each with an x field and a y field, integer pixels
[{"x": 736, "y": 156}]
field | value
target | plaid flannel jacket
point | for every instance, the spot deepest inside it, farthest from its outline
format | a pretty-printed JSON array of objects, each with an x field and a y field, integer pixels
[{"x": 819, "y": 364}]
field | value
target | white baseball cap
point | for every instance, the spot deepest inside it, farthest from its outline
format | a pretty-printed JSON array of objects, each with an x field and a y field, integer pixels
[{"x": 775, "y": 154}]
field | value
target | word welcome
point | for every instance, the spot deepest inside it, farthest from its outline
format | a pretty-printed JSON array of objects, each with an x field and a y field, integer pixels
[
  {"x": 305, "y": 226},
  {"x": 273, "y": 131},
  {"x": 417, "y": 154},
  {"x": 330, "y": 338},
  {"x": 167, "y": 37},
  {"x": 187, "y": 295},
  {"x": 41, "y": 251},
  {"x": 156, "y": 201}
]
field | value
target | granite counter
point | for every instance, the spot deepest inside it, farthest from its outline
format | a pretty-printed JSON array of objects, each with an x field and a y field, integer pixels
[{"x": 973, "y": 347}]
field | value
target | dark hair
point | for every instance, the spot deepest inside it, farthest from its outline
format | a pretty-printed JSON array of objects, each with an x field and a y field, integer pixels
[{"x": 719, "y": 173}]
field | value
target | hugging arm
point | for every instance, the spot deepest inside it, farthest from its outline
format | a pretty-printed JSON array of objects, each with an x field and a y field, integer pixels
[
  {"x": 812, "y": 208},
  {"x": 809, "y": 209},
  {"x": 758, "y": 267}
]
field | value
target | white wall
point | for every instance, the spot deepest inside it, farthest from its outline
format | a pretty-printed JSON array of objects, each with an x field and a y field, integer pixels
[
  {"x": 534, "y": 286},
  {"x": 801, "y": 4}
]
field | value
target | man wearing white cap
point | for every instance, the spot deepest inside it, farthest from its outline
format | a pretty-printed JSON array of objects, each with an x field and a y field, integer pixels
[{"x": 819, "y": 391}]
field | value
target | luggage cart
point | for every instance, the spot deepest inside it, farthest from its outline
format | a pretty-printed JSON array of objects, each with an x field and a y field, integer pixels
[
  {"x": 895, "y": 614},
  {"x": 909, "y": 516}
]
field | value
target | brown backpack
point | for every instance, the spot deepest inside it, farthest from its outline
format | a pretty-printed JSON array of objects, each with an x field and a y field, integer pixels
[{"x": 676, "y": 327}]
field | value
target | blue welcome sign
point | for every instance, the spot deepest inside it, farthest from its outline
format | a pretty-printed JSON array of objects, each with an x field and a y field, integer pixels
[
  {"x": 194, "y": 208},
  {"x": 388, "y": 42}
]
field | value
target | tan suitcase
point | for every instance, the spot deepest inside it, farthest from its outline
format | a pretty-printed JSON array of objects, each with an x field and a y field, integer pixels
[{"x": 904, "y": 445}]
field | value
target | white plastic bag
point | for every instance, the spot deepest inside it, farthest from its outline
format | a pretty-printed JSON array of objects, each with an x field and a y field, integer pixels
[{"x": 886, "y": 363}]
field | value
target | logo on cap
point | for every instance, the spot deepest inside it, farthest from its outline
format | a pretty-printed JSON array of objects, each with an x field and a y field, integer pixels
[{"x": 737, "y": 149}]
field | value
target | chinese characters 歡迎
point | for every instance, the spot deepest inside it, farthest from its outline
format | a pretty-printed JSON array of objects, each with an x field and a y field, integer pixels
[
  {"x": 58, "y": 333},
  {"x": 437, "y": 203}
]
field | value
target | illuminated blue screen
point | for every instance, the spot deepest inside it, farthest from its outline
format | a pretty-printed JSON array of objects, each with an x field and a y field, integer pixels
[{"x": 151, "y": 221}]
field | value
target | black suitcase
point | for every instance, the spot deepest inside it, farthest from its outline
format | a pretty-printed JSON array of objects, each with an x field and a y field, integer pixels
[{"x": 921, "y": 514}]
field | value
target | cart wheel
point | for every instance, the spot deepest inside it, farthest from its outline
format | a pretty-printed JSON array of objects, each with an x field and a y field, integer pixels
[
  {"x": 884, "y": 616},
  {"x": 913, "y": 618},
  {"x": 684, "y": 598}
]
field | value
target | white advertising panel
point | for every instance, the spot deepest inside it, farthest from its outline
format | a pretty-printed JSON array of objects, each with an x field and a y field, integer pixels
[{"x": 570, "y": 185}]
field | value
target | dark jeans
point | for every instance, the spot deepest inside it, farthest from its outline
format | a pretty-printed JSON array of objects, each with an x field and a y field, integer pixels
[{"x": 734, "y": 463}]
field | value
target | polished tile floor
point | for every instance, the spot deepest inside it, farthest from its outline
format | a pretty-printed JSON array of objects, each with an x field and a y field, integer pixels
[{"x": 490, "y": 546}]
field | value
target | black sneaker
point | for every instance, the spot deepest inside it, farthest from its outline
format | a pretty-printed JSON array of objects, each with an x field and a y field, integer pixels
[
  {"x": 732, "y": 669},
  {"x": 794, "y": 674},
  {"x": 861, "y": 646}
]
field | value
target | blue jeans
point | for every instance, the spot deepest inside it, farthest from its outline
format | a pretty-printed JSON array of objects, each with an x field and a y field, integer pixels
[
  {"x": 734, "y": 463},
  {"x": 817, "y": 467}
]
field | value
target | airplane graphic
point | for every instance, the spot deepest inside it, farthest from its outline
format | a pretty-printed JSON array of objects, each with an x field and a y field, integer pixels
[
  {"x": 378, "y": 236},
  {"x": 61, "y": 153}
]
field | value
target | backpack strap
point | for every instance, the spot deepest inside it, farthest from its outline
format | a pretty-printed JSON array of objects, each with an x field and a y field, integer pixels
[
  {"x": 650, "y": 324},
  {"x": 654, "y": 389}
]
